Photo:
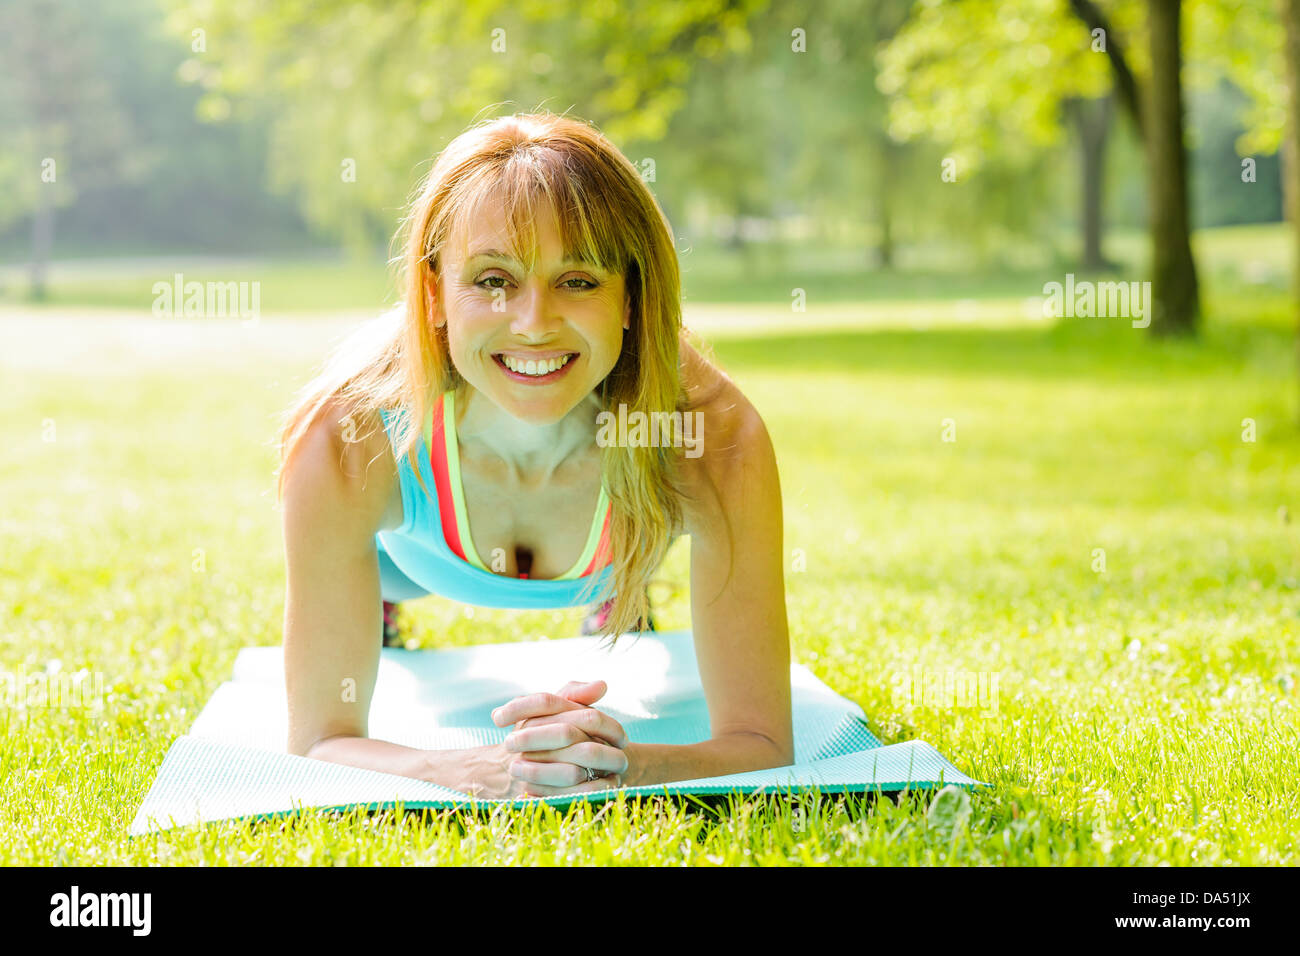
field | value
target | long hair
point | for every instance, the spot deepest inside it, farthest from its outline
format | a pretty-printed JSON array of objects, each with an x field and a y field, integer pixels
[{"x": 606, "y": 215}]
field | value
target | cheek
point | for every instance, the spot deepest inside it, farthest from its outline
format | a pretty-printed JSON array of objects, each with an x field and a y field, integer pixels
[
  {"x": 461, "y": 337},
  {"x": 471, "y": 303},
  {"x": 472, "y": 318}
]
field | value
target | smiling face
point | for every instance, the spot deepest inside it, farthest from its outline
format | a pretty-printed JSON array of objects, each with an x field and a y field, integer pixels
[{"x": 500, "y": 318}]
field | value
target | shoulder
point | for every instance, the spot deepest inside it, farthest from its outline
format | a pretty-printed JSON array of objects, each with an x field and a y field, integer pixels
[
  {"x": 344, "y": 458},
  {"x": 736, "y": 457},
  {"x": 348, "y": 437}
]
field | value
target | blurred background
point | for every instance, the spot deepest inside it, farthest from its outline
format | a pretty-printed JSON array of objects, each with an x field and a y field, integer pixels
[{"x": 864, "y": 151}]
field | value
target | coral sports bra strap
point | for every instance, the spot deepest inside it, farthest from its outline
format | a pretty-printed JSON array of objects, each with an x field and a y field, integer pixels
[
  {"x": 446, "y": 475},
  {"x": 444, "y": 459}
]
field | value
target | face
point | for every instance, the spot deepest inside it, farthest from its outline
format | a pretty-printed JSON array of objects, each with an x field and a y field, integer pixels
[{"x": 498, "y": 316}]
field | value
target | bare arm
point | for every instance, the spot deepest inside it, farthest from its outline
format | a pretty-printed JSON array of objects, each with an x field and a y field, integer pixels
[
  {"x": 738, "y": 615},
  {"x": 332, "y": 508}
]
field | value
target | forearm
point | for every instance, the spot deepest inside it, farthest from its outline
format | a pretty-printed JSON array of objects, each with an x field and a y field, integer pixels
[
  {"x": 730, "y": 753},
  {"x": 434, "y": 766}
]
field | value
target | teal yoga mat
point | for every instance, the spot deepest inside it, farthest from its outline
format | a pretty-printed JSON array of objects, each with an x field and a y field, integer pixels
[{"x": 233, "y": 763}]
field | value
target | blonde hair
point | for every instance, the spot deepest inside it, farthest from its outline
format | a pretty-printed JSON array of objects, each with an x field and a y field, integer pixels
[{"x": 606, "y": 215}]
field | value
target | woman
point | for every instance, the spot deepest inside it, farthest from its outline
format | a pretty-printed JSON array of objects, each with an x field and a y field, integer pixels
[{"x": 455, "y": 447}]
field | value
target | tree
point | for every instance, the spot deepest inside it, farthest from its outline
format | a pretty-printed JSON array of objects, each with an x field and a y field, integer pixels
[
  {"x": 64, "y": 130},
  {"x": 360, "y": 94},
  {"x": 792, "y": 123},
  {"x": 957, "y": 70},
  {"x": 1291, "y": 168},
  {"x": 996, "y": 81},
  {"x": 1092, "y": 119},
  {"x": 1236, "y": 40},
  {"x": 1175, "y": 307},
  {"x": 1157, "y": 111}
]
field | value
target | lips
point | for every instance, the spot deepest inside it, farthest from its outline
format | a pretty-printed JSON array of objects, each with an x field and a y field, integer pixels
[{"x": 534, "y": 363}]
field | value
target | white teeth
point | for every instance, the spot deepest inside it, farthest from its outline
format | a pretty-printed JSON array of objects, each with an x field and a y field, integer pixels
[{"x": 533, "y": 367}]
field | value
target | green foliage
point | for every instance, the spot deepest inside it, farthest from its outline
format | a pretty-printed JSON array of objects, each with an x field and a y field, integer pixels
[
  {"x": 1219, "y": 196},
  {"x": 360, "y": 96},
  {"x": 139, "y": 170},
  {"x": 183, "y": 128},
  {"x": 986, "y": 78},
  {"x": 1241, "y": 40}
]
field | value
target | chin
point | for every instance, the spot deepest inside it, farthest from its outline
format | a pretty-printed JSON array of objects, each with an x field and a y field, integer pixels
[{"x": 540, "y": 409}]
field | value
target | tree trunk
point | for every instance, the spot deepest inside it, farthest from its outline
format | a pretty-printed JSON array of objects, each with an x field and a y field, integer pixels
[
  {"x": 42, "y": 239},
  {"x": 885, "y": 188},
  {"x": 1175, "y": 305},
  {"x": 736, "y": 241},
  {"x": 1093, "y": 119},
  {"x": 1290, "y": 10}
]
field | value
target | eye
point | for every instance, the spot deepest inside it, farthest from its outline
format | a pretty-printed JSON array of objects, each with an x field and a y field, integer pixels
[{"x": 586, "y": 283}]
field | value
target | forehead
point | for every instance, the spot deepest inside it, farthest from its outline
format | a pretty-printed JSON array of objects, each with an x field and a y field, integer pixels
[{"x": 487, "y": 227}]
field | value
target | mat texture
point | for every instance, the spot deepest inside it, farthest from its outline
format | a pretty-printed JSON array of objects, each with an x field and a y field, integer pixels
[{"x": 233, "y": 764}]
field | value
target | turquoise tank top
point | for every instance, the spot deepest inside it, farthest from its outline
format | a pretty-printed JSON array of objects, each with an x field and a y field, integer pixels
[{"x": 420, "y": 549}]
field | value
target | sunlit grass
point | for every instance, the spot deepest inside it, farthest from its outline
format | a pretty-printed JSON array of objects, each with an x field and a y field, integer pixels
[{"x": 1146, "y": 712}]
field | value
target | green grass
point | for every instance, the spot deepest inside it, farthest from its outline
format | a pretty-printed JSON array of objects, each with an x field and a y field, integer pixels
[
  {"x": 284, "y": 284},
  {"x": 1146, "y": 714}
]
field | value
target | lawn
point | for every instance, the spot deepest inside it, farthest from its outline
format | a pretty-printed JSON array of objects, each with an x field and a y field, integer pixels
[{"x": 1146, "y": 713}]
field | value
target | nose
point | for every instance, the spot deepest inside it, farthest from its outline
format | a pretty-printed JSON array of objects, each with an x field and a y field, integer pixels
[{"x": 534, "y": 310}]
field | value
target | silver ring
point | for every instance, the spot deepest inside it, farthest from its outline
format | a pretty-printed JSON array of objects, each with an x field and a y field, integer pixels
[{"x": 591, "y": 774}]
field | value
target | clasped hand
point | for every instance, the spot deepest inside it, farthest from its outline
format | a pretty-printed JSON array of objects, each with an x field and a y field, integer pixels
[{"x": 558, "y": 736}]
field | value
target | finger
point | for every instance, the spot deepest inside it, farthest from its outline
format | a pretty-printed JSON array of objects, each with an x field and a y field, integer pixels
[
  {"x": 548, "y": 774},
  {"x": 589, "y": 753},
  {"x": 592, "y": 722},
  {"x": 584, "y": 692},
  {"x": 541, "y": 736},
  {"x": 600, "y": 783},
  {"x": 532, "y": 705}
]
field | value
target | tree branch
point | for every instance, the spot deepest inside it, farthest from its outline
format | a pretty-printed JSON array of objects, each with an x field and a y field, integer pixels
[{"x": 1126, "y": 84}]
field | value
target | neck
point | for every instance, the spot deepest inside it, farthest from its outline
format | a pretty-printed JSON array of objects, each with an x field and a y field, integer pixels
[{"x": 532, "y": 452}]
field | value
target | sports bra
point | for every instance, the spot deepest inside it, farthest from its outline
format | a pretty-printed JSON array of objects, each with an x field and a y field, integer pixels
[
  {"x": 434, "y": 548},
  {"x": 440, "y": 437}
]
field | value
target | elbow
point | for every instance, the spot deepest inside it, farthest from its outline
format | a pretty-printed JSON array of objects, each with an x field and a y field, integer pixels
[
  {"x": 782, "y": 751},
  {"x": 312, "y": 746},
  {"x": 783, "y": 748}
]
